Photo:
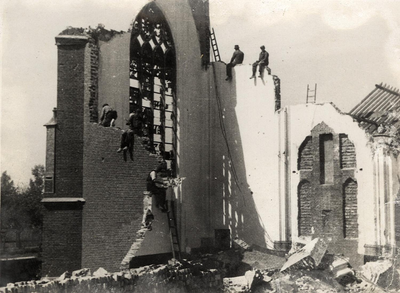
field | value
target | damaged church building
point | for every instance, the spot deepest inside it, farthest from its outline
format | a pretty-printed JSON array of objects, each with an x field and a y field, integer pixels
[{"x": 242, "y": 166}]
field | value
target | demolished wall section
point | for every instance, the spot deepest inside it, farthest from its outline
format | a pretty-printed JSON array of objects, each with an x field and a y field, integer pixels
[{"x": 113, "y": 190}]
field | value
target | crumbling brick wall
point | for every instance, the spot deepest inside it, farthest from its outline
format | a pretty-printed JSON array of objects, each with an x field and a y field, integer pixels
[
  {"x": 113, "y": 190},
  {"x": 347, "y": 152}
]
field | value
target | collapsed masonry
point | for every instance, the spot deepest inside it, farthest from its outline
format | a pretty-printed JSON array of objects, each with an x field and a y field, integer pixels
[{"x": 239, "y": 270}]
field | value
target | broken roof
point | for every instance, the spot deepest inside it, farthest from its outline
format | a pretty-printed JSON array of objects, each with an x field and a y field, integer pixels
[{"x": 381, "y": 107}]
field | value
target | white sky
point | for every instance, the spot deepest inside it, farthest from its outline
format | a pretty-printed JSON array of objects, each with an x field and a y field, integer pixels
[{"x": 344, "y": 46}]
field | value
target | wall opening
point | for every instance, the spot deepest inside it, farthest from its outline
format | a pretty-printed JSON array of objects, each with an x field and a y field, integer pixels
[
  {"x": 350, "y": 226},
  {"x": 304, "y": 208},
  {"x": 326, "y": 158},
  {"x": 152, "y": 81}
]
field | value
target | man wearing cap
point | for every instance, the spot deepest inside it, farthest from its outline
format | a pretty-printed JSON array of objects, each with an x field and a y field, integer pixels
[
  {"x": 237, "y": 58},
  {"x": 262, "y": 62}
]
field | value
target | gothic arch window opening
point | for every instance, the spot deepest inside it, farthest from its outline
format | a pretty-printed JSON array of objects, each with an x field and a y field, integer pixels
[
  {"x": 152, "y": 81},
  {"x": 304, "y": 192},
  {"x": 350, "y": 214}
]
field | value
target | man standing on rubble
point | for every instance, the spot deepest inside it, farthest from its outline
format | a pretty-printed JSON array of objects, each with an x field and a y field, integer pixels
[
  {"x": 237, "y": 58},
  {"x": 263, "y": 61}
]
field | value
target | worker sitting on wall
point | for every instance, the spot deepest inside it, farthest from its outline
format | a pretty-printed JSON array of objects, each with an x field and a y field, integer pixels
[
  {"x": 263, "y": 61},
  {"x": 237, "y": 58}
]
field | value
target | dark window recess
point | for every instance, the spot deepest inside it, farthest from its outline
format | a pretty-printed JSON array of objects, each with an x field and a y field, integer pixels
[
  {"x": 326, "y": 158},
  {"x": 304, "y": 205},
  {"x": 350, "y": 225},
  {"x": 48, "y": 185},
  {"x": 222, "y": 239}
]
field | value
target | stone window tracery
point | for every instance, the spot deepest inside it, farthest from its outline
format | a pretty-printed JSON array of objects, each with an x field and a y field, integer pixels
[{"x": 152, "y": 80}]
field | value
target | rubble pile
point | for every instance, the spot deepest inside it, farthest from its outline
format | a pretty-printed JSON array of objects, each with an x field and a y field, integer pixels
[
  {"x": 177, "y": 277},
  {"x": 308, "y": 267}
]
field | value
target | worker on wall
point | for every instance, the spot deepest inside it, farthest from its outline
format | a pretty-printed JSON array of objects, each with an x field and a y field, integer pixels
[
  {"x": 108, "y": 116},
  {"x": 263, "y": 61},
  {"x": 237, "y": 58},
  {"x": 128, "y": 138}
]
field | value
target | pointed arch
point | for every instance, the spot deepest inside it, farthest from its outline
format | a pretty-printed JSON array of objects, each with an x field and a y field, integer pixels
[
  {"x": 305, "y": 155},
  {"x": 350, "y": 214},
  {"x": 304, "y": 192},
  {"x": 152, "y": 55}
]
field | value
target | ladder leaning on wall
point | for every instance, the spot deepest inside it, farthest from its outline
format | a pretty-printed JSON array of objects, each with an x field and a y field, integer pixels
[
  {"x": 214, "y": 46},
  {"x": 311, "y": 94},
  {"x": 173, "y": 232}
]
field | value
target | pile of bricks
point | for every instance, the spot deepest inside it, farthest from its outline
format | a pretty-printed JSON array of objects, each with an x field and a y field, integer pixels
[{"x": 173, "y": 277}]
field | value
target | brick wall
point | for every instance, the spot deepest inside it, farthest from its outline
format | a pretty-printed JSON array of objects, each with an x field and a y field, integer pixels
[
  {"x": 69, "y": 139},
  {"x": 327, "y": 207},
  {"x": 347, "y": 152},
  {"x": 306, "y": 156},
  {"x": 305, "y": 219},
  {"x": 62, "y": 230},
  {"x": 113, "y": 190},
  {"x": 93, "y": 86},
  {"x": 350, "y": 209}
]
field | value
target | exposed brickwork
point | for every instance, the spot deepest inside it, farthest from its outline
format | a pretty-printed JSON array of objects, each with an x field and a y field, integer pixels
[
  {"x": 62, "y": 238},
  {"x": 93, "y": 87},
  {"x": 305, "y": 219},
  {"x": 306, "y": 156},
  {"x": 277, "y": 83},
  {"x": 69, "y": 138},
  {"x": 350, "y": 209},
  {"x": 62, "y": 234},
  {"x": 113, "y": 190},
  {"x": 327, "y": 205},
  {"x": 347, "y": 152},
  {"x": 147, "y": 205}
]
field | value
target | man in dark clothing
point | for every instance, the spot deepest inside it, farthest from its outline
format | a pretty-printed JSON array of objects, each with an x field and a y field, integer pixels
[
  {"x": 106, "y": 115},
  {"x": 155, "y": 184},
  {"x": 127, "y": 138},
  {"x": 237, "y": 58},
  {"x": 262, "y": 62}
]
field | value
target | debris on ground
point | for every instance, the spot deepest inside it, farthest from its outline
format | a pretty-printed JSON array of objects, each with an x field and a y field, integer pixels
[
  {"x": 382, "y": 273},
  {"x": 342, "y": 271},
  {"x": 308, "y": 267},
  {"x": 308, "y": 256}
]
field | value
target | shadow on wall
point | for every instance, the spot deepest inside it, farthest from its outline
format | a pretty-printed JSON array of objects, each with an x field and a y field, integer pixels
[{"x": 234, "y": 206}]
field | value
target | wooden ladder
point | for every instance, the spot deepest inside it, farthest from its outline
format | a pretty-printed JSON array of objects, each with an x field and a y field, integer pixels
[
  {"x": 311, "y": 94},
  {"x": 173, "y": 232},
  {"x": 214, "y": 46}
]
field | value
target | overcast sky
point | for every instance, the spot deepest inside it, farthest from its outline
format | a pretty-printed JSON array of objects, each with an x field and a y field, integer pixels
[{"x": 346, "y": 47}]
